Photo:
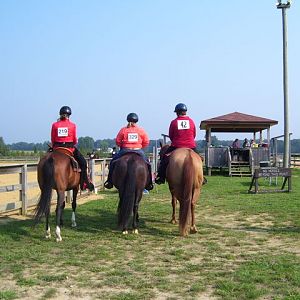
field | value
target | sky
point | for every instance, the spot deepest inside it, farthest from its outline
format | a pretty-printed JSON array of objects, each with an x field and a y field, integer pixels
[{"x": 106, "y": 59}]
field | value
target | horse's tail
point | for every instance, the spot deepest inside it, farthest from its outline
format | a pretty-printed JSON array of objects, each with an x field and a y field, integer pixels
[
  {"x": 127, "y": 196},
  {"x": 187, "y": 195},
  {"x": 43, "y": 205}
]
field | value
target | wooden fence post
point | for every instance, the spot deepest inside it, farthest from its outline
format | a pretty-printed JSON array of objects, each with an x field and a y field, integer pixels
[
  {"x": 68, "y": 197},
  {"x": 103, "y": 173},
  {"x": 92, "y": 172},
  {"x": 23, "y": 191}
]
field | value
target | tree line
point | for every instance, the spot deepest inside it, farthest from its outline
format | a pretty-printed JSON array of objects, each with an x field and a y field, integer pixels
[{"x": 101, "y": 147}]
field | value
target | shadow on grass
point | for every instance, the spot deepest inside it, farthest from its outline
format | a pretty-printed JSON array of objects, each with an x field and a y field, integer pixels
[
  {"x": 276, "y": 230},
  {"x": 91, "y": 218},
  {"x": 280, "y": 230}
]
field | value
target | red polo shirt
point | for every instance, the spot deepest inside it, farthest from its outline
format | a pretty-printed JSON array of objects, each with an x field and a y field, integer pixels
[
  {"x": 132, "y": 137},
  {"x": 182, "y": 132},
  {"x": 64, "y": 131}
]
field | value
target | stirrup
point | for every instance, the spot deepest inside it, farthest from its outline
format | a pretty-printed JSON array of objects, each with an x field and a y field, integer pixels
[
  {"x": 159, "y": 180},
  {"x": 87, "y": 185},
  {"x": 90, "y": 186},
  {"x": 149, "y": 187},
  {"x": 108, "y": 185}
]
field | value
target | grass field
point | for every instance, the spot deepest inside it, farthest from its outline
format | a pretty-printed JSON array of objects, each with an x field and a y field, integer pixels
[{"x": 247, "y": 247}]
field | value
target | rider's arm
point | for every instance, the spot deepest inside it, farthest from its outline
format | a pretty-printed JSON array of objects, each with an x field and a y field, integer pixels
[
  {"x": 144, "y": 137},
  {"x": 119, "y": 138}
]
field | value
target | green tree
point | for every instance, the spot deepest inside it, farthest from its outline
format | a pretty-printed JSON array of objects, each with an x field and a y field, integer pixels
[
  {"x": 86, "y": 144},
  {"x": 4, "y": 150},
  {"x": 104, "y": 145}
]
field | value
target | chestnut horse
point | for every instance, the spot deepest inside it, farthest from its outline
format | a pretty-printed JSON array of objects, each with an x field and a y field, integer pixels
[
  {"x": 184, "y": 175},
  {"x": 129, "y": 177},
  {"x": 57, "y": 170}
]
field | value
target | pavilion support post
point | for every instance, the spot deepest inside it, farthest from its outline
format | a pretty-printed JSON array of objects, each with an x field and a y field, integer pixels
[
  {"x": 260, "y": 136},
  {"x": 208, "y": 144}
]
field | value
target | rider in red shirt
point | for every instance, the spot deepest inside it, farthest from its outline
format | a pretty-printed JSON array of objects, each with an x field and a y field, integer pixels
[
  {"x": 131, "y": 138},
  {"x": 182, "y": 133},
  {"x": 63, "y": 134}
]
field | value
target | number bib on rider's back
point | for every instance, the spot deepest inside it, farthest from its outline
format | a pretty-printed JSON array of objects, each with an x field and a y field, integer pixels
[
  {"x": 133, "y": 137},
  {"x": 183, "y": 124},
  {"x": 62, "y": 131}
]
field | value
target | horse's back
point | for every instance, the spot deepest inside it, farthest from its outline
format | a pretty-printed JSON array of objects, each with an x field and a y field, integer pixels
[
  {"x": 64, "y": 175},
  {"x": 180, "y": 159},
  {"x": 133, "y": 163}
]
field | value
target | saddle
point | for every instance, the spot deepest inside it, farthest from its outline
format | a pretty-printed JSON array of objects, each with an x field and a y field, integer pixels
[
  {"x": 69, "y": 153},
  {"x": 136, "y": 152}
]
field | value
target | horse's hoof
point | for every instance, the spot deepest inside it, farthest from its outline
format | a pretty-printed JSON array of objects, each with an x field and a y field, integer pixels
[
  {"x": 73, "y": 225},
  {"x": 135, "y": 231},
  {"x": 48, "y": 236},
  {"x": 193, "y": 229},
  {"x": 125, "y": 232},
  {"x": 173, "y": 221},
  {"x": 58, "y": 239}
]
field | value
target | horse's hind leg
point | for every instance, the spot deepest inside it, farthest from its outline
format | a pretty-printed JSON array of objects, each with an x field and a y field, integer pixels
[
  {"x": 135, "y": 219},
  {"x": 48, "y": 233},
  {"x": 74, "y": 205},
  {"x": 193, "y": 206},
  {"x": 173, "y": 220},
  {"x": 59, "y": 211}
]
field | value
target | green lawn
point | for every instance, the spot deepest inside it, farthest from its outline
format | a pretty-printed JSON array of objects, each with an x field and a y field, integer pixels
[{"x": 247, "y": 247}]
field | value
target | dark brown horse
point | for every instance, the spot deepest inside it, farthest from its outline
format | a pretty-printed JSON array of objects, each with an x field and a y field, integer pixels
[
  {"x": 129, "y": 177},
  {"x": 56, "y": 171},
  {"x": 184, "y": 175}
]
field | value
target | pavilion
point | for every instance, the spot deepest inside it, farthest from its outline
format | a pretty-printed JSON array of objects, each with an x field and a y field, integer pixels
[{"x": 236, "y": 122}]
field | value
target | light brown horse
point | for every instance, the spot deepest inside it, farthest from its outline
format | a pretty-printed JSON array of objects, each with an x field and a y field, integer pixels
[
  {"x": 184, "y": 175},
  {"x": 56, "y": 171}
]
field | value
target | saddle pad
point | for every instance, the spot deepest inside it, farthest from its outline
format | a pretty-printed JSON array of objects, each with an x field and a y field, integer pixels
[{"x": 69, "y": 153}]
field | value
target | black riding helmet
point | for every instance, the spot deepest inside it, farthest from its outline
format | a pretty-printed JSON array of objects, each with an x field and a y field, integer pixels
[
  {"x": 180, "y": 107},
  {"x": 132, "y": 117},
  {"x": 65, "y": 110}
]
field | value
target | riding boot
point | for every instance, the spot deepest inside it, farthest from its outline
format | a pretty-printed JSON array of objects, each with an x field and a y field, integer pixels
[
  {"x": 149, "y": 185},
  {"x": 108, "y": 184},
  {"x": 84, "y": 180},
  {"x": 161, "y": 173},
  {"x": 204, "y": 178}
]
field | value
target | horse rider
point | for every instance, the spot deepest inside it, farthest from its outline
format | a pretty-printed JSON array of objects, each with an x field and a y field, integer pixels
[
  {"x": 63, "y": 134},
  {"x": 130, "y": 138},
  {"x": 182, "y": 133}
]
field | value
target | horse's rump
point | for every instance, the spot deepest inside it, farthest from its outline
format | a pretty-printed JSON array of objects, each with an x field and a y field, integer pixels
[
  {"x": 184, "y": 157},
  {"x": 130, "y": 161},
  {"x": 65, "y": 174}
]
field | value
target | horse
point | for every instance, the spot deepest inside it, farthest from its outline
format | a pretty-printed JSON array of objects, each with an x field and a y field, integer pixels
[
  {"x": 57, "y": 170},
  {"x": 184, "y": 175},
  {"x": 130, "y": 176}
]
